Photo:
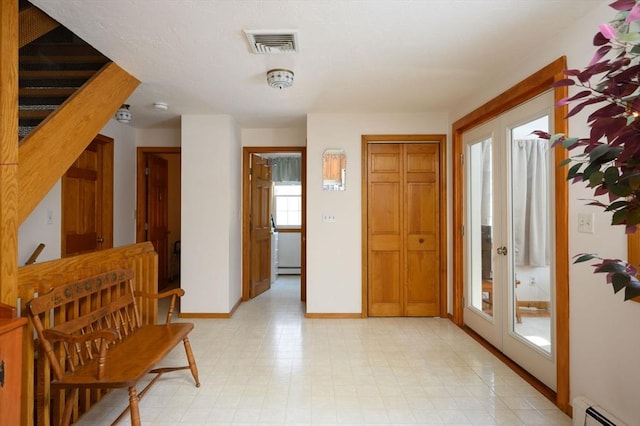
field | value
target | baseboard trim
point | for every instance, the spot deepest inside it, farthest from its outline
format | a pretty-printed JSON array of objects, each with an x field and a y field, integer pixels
[
  {"x": 204, "y": 315},
  {"x": 211, "y": 315},
  {"x": 333, "y": 316}
]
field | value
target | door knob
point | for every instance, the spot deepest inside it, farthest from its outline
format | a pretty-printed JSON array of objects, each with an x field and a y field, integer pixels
[
  {"x": 421, "y": 240},
  {"x": 99, "y": 240}
]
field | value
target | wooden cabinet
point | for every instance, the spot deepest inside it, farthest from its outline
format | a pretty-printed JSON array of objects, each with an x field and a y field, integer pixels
[{"x": 10, "y": 365}]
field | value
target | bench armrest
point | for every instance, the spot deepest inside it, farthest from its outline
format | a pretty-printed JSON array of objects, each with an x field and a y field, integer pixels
[
  {"x": 174, "y": 294},
  {"x": 105, "y": 336},
  {"x": 176, "y": 291}
]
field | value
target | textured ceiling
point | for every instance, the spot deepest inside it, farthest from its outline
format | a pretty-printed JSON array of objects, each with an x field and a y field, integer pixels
[{"x": 374, "y": 56}]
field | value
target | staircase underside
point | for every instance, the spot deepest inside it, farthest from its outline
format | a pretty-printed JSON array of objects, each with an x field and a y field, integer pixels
[{"x": 52, "y": 68}]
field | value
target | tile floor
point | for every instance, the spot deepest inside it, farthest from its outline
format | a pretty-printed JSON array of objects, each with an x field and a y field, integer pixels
[{"x": 268, "y": 365}]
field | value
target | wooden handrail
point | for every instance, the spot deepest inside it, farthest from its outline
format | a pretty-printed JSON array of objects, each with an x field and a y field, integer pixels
[
  {"x": 39, "y": 278},
  {"x": 35, "y": 254}
]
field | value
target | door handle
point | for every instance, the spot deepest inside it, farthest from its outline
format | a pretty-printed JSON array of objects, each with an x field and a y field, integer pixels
[
  {"x": 99, "y": 240},
  {"x": 502, "y": 250}
]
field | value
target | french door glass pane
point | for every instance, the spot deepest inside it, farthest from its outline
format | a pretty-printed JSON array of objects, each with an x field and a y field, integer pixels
[
  {"x": 480, "y": 223},
  {"x": 531, "y": 236}
]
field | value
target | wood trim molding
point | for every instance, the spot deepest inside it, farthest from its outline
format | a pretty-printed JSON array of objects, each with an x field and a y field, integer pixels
[
  {"x": 441, "y": 140},
  {"x": 333, "y": 316},
  {"x": 48, "y": 151},
  {"x": 246, "y": 238},
  {"x": 633, "y": 253},
  {"x": 9, "y": 151},
  {"x": 537, "y": 83},
  {"x": 141, "y": 185},
  {"x": 208, "y": 315}
]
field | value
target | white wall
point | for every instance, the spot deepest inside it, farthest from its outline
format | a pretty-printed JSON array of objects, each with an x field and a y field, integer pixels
[
  {"x": 211, "y": 246},
  {"x": 35, "y": 228},
  {"x": 604, "y": 330},
  {"x": 124, "y": 182},
  {"x": 334, "y": 260},
  {"x": 158, "y": 137},
  {"x": 293, "y": 136}
]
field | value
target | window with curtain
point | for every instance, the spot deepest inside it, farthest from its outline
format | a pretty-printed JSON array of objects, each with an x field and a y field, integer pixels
[{"x": 287, "y": 191}]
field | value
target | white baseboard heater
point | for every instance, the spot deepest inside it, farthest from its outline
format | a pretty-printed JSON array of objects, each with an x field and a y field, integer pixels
[{"x": 587, "y": 413}]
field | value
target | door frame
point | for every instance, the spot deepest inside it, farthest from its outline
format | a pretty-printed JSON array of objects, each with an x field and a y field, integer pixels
[
  {"x": 247, "y": 151},
  {"x": 104, "y": 194},
  {"x": 441, "y": 141},
  {"x": 537, "y": 83},
  {"x": 141, "y": 185}
]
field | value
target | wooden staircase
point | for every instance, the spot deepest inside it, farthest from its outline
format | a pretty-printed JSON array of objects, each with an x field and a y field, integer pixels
[
  {"x": 67, "y": 92},
  {"x": 51, "y": 69}
]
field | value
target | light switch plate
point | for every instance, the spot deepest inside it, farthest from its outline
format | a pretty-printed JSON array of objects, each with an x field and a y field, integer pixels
[{"x": 585, "y": 223}]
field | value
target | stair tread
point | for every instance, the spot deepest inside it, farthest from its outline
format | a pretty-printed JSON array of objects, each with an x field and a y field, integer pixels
[
  {"x": 56, "y": 74},
  {"x": 34, "y": 113},
  {"x": 46, "y": 91},
  {"x": 65, "y": 59}
]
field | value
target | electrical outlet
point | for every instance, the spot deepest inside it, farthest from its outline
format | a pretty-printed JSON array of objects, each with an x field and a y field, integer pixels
[
  {"x": 585, "y": 223},
  {"x": 49, "y": 217}
]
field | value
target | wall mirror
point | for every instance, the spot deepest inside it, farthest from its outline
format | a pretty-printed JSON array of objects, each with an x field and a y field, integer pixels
[{"x": 334, "y": 170}]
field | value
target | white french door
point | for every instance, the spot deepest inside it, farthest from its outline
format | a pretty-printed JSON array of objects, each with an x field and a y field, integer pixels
[{"x": 509, "y": 236}]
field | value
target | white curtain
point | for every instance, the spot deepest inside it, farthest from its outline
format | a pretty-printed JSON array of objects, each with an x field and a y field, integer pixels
[
  {"x": 486, "y": 207},
  {"x": 530, "y": 171}
]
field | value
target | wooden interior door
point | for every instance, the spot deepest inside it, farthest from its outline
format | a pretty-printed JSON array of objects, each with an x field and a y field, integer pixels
[
  {"x": 157, "y": 225},
  {"x": 87, "y": 200},
  {"x": 260, "y": 226},
  {"x": 403, "y": 233}
]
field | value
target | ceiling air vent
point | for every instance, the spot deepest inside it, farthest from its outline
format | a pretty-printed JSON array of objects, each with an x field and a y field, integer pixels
[{"x": 272, "y": 41}]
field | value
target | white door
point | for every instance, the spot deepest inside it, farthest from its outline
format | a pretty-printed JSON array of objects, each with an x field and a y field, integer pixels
[{"x": 509, "y": 236}]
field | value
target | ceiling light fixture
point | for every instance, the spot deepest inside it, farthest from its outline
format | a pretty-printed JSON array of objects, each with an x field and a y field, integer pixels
[
  {"x": 280, "y": 78},
  {"x": 123, "y": 115}
]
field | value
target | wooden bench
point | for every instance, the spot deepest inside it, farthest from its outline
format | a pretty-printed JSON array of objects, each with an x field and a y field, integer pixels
[{"x": 105, "y": 346}]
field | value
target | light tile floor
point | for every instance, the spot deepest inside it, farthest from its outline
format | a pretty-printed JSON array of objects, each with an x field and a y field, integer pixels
[{"x": 268, "y": 365}]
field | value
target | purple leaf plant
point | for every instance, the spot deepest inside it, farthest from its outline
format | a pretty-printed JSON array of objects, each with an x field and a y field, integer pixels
[{"x": 608, "y": 160}]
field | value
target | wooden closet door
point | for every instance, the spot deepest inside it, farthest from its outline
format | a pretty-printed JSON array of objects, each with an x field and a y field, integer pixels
[
  {"x": 385, "y": 272},
  {"x": 403, "y": 234},
  {"x": 422, "y": 235}
]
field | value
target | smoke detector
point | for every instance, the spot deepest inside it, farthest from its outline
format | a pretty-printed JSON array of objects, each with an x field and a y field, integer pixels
[
  {"x": 272, "y": 41},
  {"x": 160, "y": 106}
]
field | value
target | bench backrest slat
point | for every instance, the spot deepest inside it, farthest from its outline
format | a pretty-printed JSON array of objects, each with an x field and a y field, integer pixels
[{"x": 101, "y": 302}]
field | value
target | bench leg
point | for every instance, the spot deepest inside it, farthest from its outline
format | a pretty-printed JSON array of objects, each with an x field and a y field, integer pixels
[
  {"x": 70, "y": 400},
  {"x": 192, "y": 361},
  {"x": 133, "y": 407}
]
